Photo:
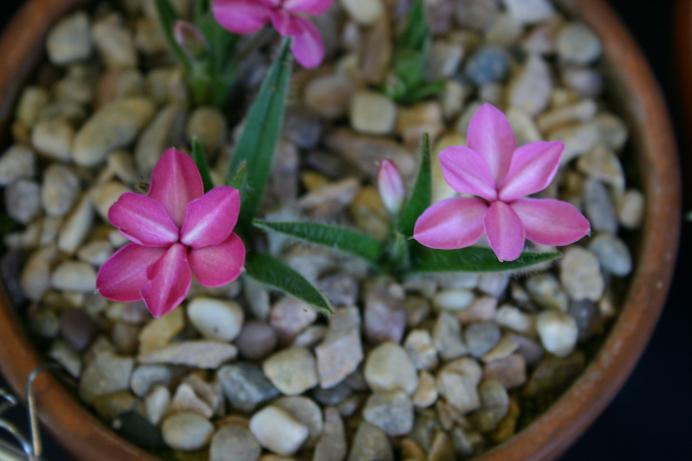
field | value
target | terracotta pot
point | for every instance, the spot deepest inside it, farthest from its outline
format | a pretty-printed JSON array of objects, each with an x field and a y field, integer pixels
[
  {"x": 547, "y": 437},
  {"x": 683, "y": 68}
]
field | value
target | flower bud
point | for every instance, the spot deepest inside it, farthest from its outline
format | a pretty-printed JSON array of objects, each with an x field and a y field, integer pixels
[
  {"x": 391, "y": 186},
  {"x": 191, "y": 40}
]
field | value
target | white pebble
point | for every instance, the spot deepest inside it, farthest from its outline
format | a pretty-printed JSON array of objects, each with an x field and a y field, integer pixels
[
  {"x": 215, "y": 318},
  {"x": 277, "y": 431},
  {"x": 558, "y": 332}
]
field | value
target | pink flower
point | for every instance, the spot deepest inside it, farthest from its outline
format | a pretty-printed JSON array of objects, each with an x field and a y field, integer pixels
[
  {"x": 390, "y": 186},
  {"x": 287, "y": 17},
  {"x": 190, "y": 39},
  {"x": 176, "y": 230},
  {"x": 501, "y": 175}
]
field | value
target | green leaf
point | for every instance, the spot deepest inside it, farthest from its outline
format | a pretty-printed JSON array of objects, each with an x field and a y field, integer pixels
[
  {"x": 261, "y": 133},
  {"x": 474, "y": 259},
  {"x": 421, "y": 196},
  {"x": 409, "y": 66},
  {"x": 426, "y": 90},
  {"x": 168, "y": 16},
  {"x": 416, "y": 35},
  {"x": 400, "y": 252},
  {"x": 220, "y": 40},
  {"x": 275, "y": 274},
  {"x": 201, "y": 160},
  {"x": 239, "y": 178},
  {"x": 339, "y": 238},
  {"x": 408, "y": 84},
  {"x": 222, "y": 45}
]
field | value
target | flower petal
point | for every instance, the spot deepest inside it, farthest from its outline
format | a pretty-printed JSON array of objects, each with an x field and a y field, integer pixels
[
  {"x": 311, "y": 7},
  {"x": 390, "y": 185},
  {"x": 220, "y": 264},
  {"x": 175, "y": 182},
  {"x": 451, "y": 224},
  {"x": 307, "y": 46},
  {"x": 285, "y": 23},
  {"x": 551, "y": 222},
  {"x": 124, "y": 274},
  {"x": 143, "y": 220},
  {"x": 490, "y": 134},
  {"x": 532, "y": 169},
  {"x": 168, "y": 283},
  {"x": 210, "y": 219},
  {"x": 241, "y": 16},
  {"x": 467, "y": 172},
  {"x": 505, "y": 231}
]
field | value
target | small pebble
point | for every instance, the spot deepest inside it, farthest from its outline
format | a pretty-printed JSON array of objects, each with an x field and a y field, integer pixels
[
  {"x": 53, "y": 138},
  {"x": 390, "y": 411},
  {"x": 481, "y": 337},
  {"x": 156, "y": 404},
  {"x": 530, "y": 11},
  {"x": 234, "y": 442},
  {"x": 447, "y": 337},
  {"x": 580, "y": 274},
  {"x": 630, "y": 209},
  {"x": 370, "y": 444},
  {"x": 364, "y": 12},
  {"x": 187, "y": 431},
  {"x": 426, "y": 393},
  {"x": 420, "y": 348},
  {"x": 558, "y": 332},
  {"x": 457, "y": 382},
  {"x": 576, "y": 43},
  {"x": 453, "y": 300},
  {"x": 215, "y": 318},
  {"x": 389, "y": 368},
  {"x": 60, "y": 190},
  {"x": 23, "y": 200},
  {"x": 69, "y": 40},
  {"x": 245, "y": 385},
  {"x": 292, "y": 371},
  {"x": 332, "y": 443},
  {"x": 74, "y": 276},
  {"x": 16, "y": 162},
  {"x": 256, "y": 340},
  {"x": 612, "y": 253},
  {"x": 277, "y": 431},
  {"x": 372, "y": 113},
  {"x": 488, "y": 64}
]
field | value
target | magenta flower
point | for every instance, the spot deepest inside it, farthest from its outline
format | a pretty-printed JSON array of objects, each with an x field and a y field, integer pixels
[
  {"x": 501, "y": 175},
  {"x": 176, "y": 230},
  {"x": 390, "y": 186},
  {"x": 287, "y": 16}
]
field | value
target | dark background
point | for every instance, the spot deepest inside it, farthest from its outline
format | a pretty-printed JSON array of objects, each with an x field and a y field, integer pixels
[{"x": 651, "y": 417}]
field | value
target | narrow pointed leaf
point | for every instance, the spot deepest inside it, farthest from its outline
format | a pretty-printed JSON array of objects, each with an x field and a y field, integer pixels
[
  {"x": 168, "y": 17},
  {"x": 408, "y": 83},
  {"x": 275, "y": 274},
  {"x": 238, "y": 179},
  {"x": 221, "y": 41},
  {"x": 261, "y": 133},
  {"x": 421, "y": 196},
  {"x": 417, "y": 31},
  {"x": 200, "y": 159},
  {"x": 400, "y": 252},
  {"x": 222, "y": 48},
  {"x": 335, "y": 237},
  {"x": 475, "y": 259}
]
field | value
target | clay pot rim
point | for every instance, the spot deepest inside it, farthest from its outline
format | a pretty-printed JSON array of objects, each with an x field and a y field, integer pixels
[{"x": 550, "y": 434}]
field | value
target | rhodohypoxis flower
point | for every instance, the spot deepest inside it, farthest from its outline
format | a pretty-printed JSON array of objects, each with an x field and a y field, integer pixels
[
  {"x": 176, "y": 230},
  {"x": 287, "y": 16},
  {"x": 501, "y": 176},
  {"x": 391, "y": 186}
]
